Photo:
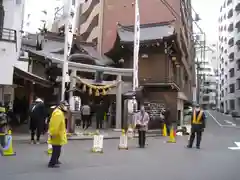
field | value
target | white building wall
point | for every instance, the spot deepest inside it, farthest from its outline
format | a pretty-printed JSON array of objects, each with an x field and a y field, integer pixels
[
  {"x": 207, "y": 73},
  {"x": 9, "y": 51},
  {"x": 8, "y": 57},
  {"x": 224, "y": 49}
]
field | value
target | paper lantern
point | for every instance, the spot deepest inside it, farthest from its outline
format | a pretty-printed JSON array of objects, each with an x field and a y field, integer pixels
[
  {"x": 84, "y": 88},
  {"x": 90, "y": 91},
  {"x": 97, "y": 92}
]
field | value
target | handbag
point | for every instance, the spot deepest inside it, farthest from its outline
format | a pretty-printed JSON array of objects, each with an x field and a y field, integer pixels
[{"x": 138, "y": 126}]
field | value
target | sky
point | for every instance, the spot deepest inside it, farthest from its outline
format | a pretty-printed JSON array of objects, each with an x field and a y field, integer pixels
[
  {"x": 35, "y": 8},
  {"x": 208, "y": 11}
]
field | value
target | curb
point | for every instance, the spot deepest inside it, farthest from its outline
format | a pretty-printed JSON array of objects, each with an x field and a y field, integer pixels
[{"x": 91, "y": 138}]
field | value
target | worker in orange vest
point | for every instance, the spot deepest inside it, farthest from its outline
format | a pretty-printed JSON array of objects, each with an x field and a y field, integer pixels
[{"x": 198, "y": 124}]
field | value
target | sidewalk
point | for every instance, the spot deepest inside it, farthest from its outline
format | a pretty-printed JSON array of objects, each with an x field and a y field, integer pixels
[{"x": 86, "y": 135}]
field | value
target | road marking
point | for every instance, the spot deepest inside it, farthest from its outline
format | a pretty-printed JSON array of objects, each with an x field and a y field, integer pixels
[
  {"x": 215, "y": 119},
  {"x": 235, "y": 148},
  {"x": 229, "y": 122},
  {"x": 221, "y": 125}
]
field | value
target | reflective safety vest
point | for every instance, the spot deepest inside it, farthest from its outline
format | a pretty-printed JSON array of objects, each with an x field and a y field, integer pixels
[{"x": 197, "y": 119}]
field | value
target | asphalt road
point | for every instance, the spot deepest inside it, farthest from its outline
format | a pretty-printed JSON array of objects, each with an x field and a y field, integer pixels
[{"x": 157, "y": 161}]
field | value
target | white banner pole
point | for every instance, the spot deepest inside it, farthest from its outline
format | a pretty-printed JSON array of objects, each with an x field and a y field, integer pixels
[
  {"x": 66, "y": 14},
  {"x": 136, "y": 46}
]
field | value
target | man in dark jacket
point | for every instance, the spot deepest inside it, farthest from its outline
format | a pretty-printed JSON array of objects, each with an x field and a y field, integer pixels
[
  {"x": 100, "y": 115},
  {"x": 167, "y": 120},
  {"x": 38, "y": 115},
  {"x": 198, "y": 124}
]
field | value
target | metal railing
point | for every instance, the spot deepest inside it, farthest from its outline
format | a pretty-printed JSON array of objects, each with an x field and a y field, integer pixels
[{"x": 8, "y": 35}]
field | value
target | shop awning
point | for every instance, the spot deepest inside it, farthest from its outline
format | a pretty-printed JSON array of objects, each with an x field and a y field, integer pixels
[{"x": 32, "y": 77}]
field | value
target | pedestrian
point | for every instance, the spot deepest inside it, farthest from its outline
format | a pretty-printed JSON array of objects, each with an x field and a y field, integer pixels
[
  {"x": 3, "y": 126},
  {"x": 142, "y": 119},
  {"x": 57, "y": 132},
  {"x": 100, "y": 115},
  {"x": 86, "y": 115},
  {"x": 198, "y": 124},
  {"x": 167, "y": 120},
  {"x": 38, "y": 115}
]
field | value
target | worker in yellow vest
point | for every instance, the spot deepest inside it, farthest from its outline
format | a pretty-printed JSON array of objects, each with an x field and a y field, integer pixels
[
  {"x": 57, "y": 132},
  {"x": 198, "y": 125}
]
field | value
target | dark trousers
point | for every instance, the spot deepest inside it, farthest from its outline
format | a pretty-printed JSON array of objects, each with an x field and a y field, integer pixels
[
  {"x": 37, "y": 132},
  {"x": 141, "y": 138},
  {"x": 168, "y": 129},
  {"x": 99, "y": 123},
  {"x": 2, "y": 141},
  {"x": 86, "y": 121},
  {"x": 198, "y": 132},
  {"x": 56, "y": 152}
]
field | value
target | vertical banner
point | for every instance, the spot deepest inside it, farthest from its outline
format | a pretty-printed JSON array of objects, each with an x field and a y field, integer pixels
[
  {"x": 74, "y": 13},
  {"x": 136, "y": 45}
]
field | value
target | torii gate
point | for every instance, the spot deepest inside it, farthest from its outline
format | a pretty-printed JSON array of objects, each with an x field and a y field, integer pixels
[
  {"x": 106, "y": 70},
  {"x": 92, "y": 68}
]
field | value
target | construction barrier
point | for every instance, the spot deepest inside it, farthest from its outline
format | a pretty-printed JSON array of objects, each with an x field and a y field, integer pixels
[
  {"x": 7, "y": 150},
  {"x": 97, "y": 143},
  {"x": 123, "y": 144}
]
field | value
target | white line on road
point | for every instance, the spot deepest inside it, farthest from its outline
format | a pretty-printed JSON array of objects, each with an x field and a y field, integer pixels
[
  {"x": 221, "y": 125},
  {"x": 215, "y": 119}
]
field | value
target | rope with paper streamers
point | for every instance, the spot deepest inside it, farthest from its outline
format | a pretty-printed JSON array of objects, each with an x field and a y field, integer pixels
[{"x": 97, "y": 89}]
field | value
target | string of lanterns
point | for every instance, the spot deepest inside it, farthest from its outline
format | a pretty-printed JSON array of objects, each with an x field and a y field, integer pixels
[{"x": 97, "y": 90}]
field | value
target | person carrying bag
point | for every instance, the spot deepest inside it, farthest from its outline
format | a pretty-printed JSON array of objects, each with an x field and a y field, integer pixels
[{"x": 142, "y": 119}]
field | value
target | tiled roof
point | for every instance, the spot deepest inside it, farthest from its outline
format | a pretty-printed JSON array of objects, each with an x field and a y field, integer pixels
[
  {"x": 53, "y": 47},
  {"x": 148, "y": 32}
]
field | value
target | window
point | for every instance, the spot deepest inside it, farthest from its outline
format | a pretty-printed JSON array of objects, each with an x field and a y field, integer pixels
[
  {"x": 230, "y": 14},
  {"x": 230, "y": 27},
  {"x": 238, "y": 46},
  {"x": 229, "y": 2},
  {"x": 238, "y": 26},
  {"x": 238, "y": 84},
  {"x": 238, "y": 64},
  {"x": 205, "y": 98},
  {"x": 226, "y": 90},
  {"x": 231, "y": 56},
  {"x": 231, "y": 72},
  {"x": 222, "y": 93},
  {"x": 232, "y": 88},
  {"x": 231, "y": 42},
  {"x": 232, "y": 104},
  {"x": 225, "y": 76}
]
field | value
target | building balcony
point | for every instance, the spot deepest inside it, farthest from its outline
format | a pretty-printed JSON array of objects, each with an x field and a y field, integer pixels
[{"x": 8, "y": 35}]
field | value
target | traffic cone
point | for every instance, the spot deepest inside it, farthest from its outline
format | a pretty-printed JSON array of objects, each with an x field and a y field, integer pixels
[
  {"x": 123, "y": 144},
  {"x": 172, "y": 136},
  {"x": 164, "y": 130},
  {"x": 8, "y": 149}
]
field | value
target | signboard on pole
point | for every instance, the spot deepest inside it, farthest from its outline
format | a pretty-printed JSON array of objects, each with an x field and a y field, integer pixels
[{"x": 136, "y": 45}]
